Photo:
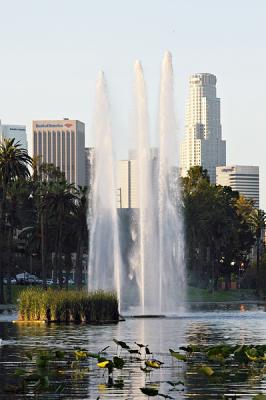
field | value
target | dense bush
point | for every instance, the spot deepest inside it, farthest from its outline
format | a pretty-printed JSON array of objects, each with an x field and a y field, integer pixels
[{"x": 36, "y": 304}]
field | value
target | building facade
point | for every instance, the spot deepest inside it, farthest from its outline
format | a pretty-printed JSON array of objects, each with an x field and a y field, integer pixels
[
  {"x": 89, "y": 162},
  {"x": 62, "y": 143},
  {"x": 127, "y": 178},
  {"x": 127, "y": 196},
  {"x": 14, "y": 131},
  {"x": 203, "y": 144},
  {"x": 243, "y": 178}
]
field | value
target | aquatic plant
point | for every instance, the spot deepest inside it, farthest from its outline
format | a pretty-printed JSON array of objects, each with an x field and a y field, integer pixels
[
  {"x": 50, "y": 370},
  {"x": 54, "y": 305}
]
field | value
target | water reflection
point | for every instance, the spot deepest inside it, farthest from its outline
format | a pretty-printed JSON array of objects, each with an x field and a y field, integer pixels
[{"x": 201, "y": 328}]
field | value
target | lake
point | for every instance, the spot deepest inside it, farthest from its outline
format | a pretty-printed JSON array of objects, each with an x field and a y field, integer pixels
[{"x": 244, "y": 325}]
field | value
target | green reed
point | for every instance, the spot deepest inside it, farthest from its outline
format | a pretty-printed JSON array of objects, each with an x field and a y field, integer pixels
[{"x": 36, "y": 304}]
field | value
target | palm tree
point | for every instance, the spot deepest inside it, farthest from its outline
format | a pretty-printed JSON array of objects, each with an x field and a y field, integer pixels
[
  {"x": 80, "y": 220},
  {"x": 60, "y": 200},
  {"x": 14, "y": 163},
  {"x": 258, "y": 221}
]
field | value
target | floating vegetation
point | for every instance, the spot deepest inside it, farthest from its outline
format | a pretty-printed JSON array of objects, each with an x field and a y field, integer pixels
[
  {"x": 51, "y": 370},
  {"x": 36, "y": 304}
]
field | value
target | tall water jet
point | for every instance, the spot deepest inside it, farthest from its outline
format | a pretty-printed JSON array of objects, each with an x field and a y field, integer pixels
[
  {"x": 171, "y": 257},
  {"x": 104, "y": 250},
  {"x": 146, "y": 273}
]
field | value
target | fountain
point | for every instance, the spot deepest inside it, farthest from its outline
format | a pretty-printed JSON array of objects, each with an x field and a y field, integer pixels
[
  {"x": 147, "y": 270},
  {"x": 156, "y": 268},
  {"x": 171, "y": 252},
  {"x": 104, "y": 256}
]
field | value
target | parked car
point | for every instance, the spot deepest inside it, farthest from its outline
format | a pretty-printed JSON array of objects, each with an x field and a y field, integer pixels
[
  {"x": 27, "y": 279},
  {"x": 13, "y": 281}
]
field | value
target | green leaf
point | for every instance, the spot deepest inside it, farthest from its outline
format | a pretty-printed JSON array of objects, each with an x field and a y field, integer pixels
[
  {"x": 177, "y": 355},
  {"x": 20, "y": 372},
  {"x": 118, "y": 362},
  {"x": 147, "y": 350},
  {"x": 118, "y": 384},
  {"x": 150, "y": 391},
  {"x": 188, "y": 349},
  {"x": 80, "y": 354},
  {"x": 121, "y": 344},
  {"x": 240, "y": 355},
  {"x": 41, "y": 362},
  {"x": 131, "y": 351},
  {"x": 206, "y": 370},
  {"x": 32, "y": 377},
  {"x": 44, "y": 382},
  {"x": 259, "y": 397},
  {"x": 29, "y": 355},
  {"x": 140, "y": 345},
  {"x": 60, "y": 354}
]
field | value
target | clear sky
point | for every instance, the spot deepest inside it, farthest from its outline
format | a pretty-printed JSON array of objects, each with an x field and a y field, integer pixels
[{"x": 51, "y": 51}]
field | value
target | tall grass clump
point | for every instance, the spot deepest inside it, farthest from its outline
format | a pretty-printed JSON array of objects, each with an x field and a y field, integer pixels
[{"x": 55, "y": 305}]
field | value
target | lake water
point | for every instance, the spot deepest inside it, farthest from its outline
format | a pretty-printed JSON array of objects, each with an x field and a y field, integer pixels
[{"x": 242, "y": 326}]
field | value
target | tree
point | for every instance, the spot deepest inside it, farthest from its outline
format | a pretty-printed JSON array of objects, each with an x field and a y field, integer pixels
[
  {"x": 60, "y": 200},
  {"x": 80, "y": 222},
  {"x": 258, "y": 220},
  {"x": 14, "y": 164},
  {"x": 217, "y": 233}
]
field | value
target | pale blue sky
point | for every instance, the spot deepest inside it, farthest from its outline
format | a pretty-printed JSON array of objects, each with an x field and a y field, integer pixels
[{"x": 51, "y": 51}]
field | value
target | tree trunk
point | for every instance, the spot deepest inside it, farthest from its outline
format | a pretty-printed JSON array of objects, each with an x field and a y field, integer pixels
[
  {"x": 78, "y": 275},
  {"x": 257, "y": 263},
  {"x": 55, "y": 261},
  {"x": 2, "y": 243},
  {"x": 44, "y": 249},
  {"x": 68, "y": 265},
  {"x": 258, "y": 254},
  {"x": 59, "y": 260}
]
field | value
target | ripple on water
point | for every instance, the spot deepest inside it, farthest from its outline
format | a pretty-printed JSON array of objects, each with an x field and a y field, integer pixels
[{"x": 204, "y": 328}]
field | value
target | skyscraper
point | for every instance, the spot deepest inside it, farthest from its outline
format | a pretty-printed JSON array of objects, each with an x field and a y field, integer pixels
[
  {"x": 89, "y": 161},
  {"x": 242, "y": 178},
  {"x": 62, "y": 143},
  {"x": 203, "y": 144},
  {"x": 127, "y": 196},
  {"x": 14, "y": 131}
]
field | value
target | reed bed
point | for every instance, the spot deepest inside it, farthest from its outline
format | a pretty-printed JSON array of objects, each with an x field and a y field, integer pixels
[{"x": 53, "y": 305}]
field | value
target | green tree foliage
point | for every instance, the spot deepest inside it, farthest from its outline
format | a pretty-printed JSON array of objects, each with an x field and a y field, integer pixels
[
  {"x": 218, "y": 230},
  {"x": 42, "y": 219},
  {"x": 14, "y": 165}
]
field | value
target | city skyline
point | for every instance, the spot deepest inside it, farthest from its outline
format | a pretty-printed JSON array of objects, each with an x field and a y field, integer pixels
[{"x": 35, "y": 83}]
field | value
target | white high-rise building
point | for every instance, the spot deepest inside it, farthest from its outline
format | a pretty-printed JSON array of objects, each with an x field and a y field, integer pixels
[
  {"x": 242, "y": 178},
  {"x": 127, "y": 196},
  {"x": 14, "y": 131},
  {"x": 203, "y": 144},
  {"x": 89, "y": 162},
  {"x": 127, "y": 178}
]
